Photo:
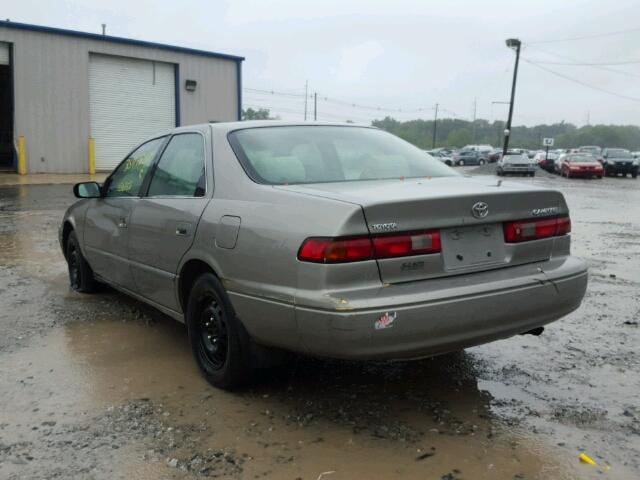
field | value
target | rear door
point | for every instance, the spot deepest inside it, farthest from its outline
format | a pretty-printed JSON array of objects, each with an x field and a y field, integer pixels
[
  {"x": 164, "y": 221},
  {"x": 106, "y": 229}
]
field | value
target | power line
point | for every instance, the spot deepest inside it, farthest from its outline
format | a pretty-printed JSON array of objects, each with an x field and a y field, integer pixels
[
  {"x": 565, "y": 57},
  {"x": 566, "y": 77},
  {"x": 590, "y": 64},
  {"x": 586, "y": 37}
]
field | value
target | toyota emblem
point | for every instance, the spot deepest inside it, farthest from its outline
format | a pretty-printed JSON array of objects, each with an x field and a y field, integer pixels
[{"x": 480, "y": 210}]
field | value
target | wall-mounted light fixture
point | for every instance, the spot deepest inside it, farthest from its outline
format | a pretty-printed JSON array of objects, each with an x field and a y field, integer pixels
[{"x": 190, "y": 85}]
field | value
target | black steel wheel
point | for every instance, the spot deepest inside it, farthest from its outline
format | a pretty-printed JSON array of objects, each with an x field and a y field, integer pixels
[
  {"x": 219, "y": 342},
  {"x": 80, "y": 274},
  {"x": 214, "y": 339}
]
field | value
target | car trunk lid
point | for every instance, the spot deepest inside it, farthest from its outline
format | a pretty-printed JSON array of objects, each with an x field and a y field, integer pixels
[{"x": 470, "y": 242}]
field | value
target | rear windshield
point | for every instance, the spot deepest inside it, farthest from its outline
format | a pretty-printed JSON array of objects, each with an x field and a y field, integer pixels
[{"x": 320, "y": 154}]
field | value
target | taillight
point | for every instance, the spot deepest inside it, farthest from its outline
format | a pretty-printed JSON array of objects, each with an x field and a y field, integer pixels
[
  {"x": 526, "y": 230},
  {"x": 405, "y": 244},
  {"x": 336, "y": 250},
  {"x": 355, "y": 249}
]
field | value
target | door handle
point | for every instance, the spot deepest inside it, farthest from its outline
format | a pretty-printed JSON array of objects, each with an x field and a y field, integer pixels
[
  {"x": 122, "y": 223},
  {"x": 183, "y": 229}
]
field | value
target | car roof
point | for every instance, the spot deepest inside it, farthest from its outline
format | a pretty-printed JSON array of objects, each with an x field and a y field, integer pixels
[{"x": 231, "y": 126}]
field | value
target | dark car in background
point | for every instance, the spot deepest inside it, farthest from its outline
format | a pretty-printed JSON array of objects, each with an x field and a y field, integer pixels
[
  {"x": 546, "y": 161},
  {"x": 580, "y": 165},
  {"x": 619, "y": 161},
  {"x": 469, "y": 157}
]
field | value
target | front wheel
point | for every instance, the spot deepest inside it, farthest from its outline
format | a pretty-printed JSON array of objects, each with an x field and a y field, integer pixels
[
  {"x": 218, "y": 340},
  {"x": 80, "y": 274}
]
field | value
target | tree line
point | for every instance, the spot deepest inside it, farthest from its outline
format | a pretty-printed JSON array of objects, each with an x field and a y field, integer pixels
[{"x": 458, "y": 133}]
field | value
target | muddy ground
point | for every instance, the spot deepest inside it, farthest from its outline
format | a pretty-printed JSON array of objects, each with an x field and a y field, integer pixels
[{"x": 100, "y": 386}]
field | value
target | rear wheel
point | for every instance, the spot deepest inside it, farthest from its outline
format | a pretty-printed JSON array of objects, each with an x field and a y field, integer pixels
[
  {"x": 481, "y": 162},
  {"x": 218, "y": 340},
  {"x": 461, "y": 163},
  {"x": 634, "y": 174},
  {"x": 80, "y": 274}
]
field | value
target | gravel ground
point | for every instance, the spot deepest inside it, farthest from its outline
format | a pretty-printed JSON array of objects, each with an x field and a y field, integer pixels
[{"x": 101, "y": 386}]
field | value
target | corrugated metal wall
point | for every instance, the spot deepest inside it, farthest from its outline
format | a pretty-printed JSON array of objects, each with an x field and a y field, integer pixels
[{"x": 51, "y": 79}]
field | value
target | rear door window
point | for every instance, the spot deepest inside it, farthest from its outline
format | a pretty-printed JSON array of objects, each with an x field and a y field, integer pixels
[{"x": 181, "y": 169}]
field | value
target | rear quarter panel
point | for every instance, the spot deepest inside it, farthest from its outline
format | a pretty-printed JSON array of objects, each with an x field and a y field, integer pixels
[{"x": 261, "y": 272}]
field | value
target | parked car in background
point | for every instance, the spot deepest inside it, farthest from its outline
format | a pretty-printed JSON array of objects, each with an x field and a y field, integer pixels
[
  {"x": 469, "y": 157},
  {"x": 619, "y": 161},
  {"x": 440, "y": 155},
  {"x": 580, "y": 165},
  {"x": 516, "y": 164},
  {"x": 546, "y": 161},
  {"x": 486, "y": 149},
  {"x": 558, "y": 162},
  {"x": 350, "y": 254},
  {"x": 592, "y": 150},
  {"x": 495, "y": 155},
  {"x": 635, "y": 154}
]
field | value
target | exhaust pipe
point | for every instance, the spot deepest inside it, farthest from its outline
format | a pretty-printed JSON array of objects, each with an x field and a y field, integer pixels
[{"x": 534, "y": 331}]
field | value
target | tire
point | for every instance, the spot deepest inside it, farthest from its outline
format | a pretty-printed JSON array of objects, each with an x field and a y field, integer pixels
[
  {"x": 481, "y": 162},
  {"x": 634, "y": 174},
  {"x": 599, "y": 177},
  {"x": 219, "y": 342},
  {"x": 80, "y": 274},
  {"x": 461, "y": 163}
]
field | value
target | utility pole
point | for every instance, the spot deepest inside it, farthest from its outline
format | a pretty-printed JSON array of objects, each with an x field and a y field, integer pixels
[
  {"x": 315, "y": 106},
  {"x": 104, "y": 29},
  {"x": 306, "y": 96},
  {"x": 435, "y": 123},
  {"x": 511, "y": 43}
]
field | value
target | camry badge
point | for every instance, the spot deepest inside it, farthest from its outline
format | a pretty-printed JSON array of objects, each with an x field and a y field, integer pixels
[
  {"x": 545, "y": 211},
  {"x": 480, "y": 210}
]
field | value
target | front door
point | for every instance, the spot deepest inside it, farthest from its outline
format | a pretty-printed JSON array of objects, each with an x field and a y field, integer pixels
[
  {"x": 164, "y": 221},
  {"x": 106, "y": 229}
]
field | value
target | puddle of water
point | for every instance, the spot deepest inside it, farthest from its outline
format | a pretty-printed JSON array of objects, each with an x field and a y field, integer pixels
[{"x": 370, "y": 420}]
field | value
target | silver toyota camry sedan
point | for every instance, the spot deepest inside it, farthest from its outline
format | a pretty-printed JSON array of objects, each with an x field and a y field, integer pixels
[{"x": 329, "y": 240}]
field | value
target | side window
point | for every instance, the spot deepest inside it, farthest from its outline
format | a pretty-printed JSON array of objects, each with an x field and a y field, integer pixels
[
  {"x": 180, "y": 171},
  {"x": 128, "y": 177}
]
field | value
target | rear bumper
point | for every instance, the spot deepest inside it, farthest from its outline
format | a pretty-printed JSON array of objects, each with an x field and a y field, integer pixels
[
  {"x": 440, "y": 315},
  {"x": 531, "y": 169},
  {"x": 620, "y": 168},
  {"x": 586, "y": 173}
]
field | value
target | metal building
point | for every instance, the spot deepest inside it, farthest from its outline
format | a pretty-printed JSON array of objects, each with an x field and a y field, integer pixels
[{"x": 61, "y": 88}]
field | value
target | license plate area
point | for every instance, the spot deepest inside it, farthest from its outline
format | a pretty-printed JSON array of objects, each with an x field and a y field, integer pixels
[{"x": 474, "y": 246}]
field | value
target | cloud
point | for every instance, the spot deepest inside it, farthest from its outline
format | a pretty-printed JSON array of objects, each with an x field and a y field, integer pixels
[{"x": 355, "y": 61}]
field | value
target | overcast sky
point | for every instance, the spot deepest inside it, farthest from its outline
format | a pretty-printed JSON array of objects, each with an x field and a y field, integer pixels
[{"x": 393, "y": 54}]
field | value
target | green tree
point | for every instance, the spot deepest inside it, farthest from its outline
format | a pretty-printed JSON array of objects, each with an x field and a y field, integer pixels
[
  {"x": 459, "y": 137},
  {"x": 260, "y": 114}
]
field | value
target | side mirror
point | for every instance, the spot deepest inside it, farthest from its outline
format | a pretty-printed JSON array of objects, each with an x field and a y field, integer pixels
[{"x": 87, "y": 190}]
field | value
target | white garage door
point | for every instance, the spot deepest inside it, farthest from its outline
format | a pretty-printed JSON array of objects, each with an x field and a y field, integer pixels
[
  {"x": 4, "y": 53},
  {"x": 129, "y": 100}
]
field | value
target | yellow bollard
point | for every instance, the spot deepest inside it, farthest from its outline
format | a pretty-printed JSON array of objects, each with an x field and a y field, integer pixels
[
  {"x": 22, "y": 156},
  {"x": 92, "y": 156}
]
